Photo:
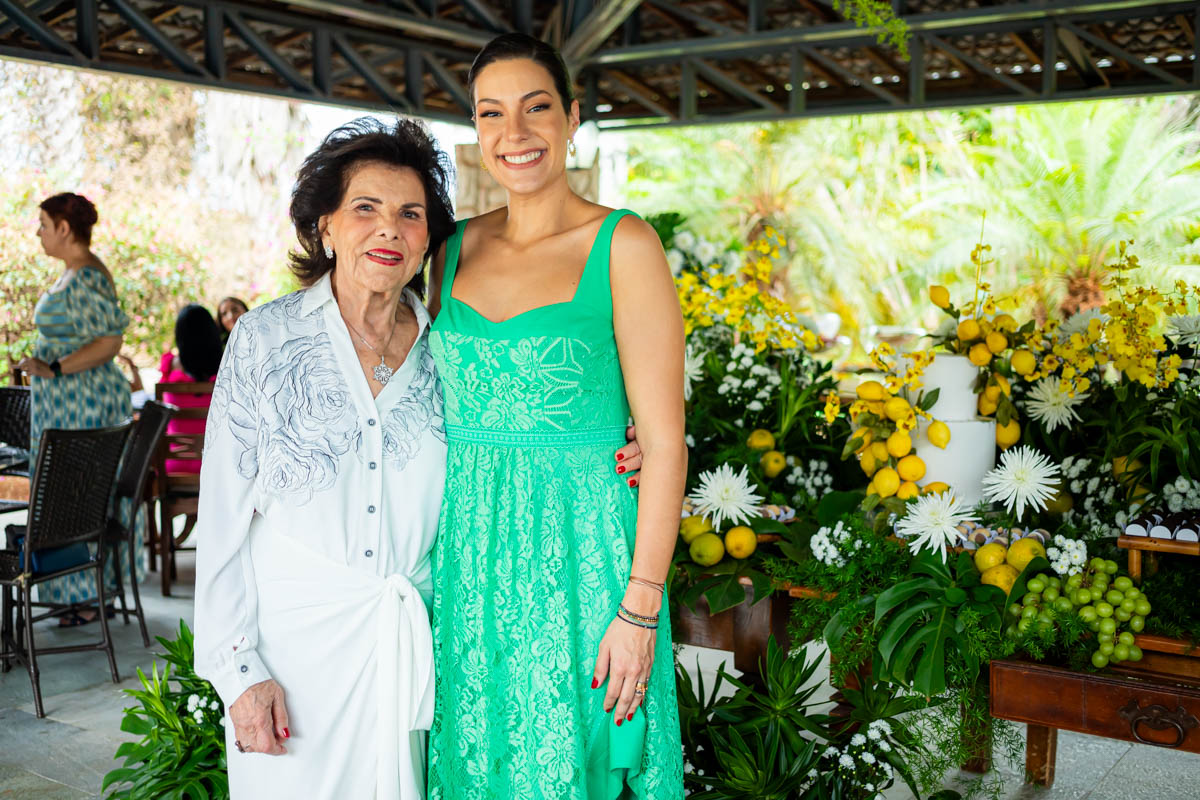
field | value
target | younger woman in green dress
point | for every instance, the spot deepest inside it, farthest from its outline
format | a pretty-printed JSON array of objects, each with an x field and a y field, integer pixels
[{"x": 556, "y": 318}]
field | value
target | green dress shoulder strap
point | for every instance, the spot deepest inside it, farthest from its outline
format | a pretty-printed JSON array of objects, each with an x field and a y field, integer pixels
[
  {"x": 595, "y": 288},
  {"x": 450, "y": 266}
]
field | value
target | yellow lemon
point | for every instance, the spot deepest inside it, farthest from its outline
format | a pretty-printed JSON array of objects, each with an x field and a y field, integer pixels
[
  {"x": 1062, "y": 502},
  {"x": 887, "y": 482},
  {"x": 992, "y": 393},
  {"x": 969, "y": 330},
  {"x": 760, "y": 440},
  {"x": 707, "y": 549},
  {"x": 935, "y": 487},
  {"x": 773, "y": 463},
  {"x": 1004, "y": 322},
  {"x": 1122, "y": 465},
  {"x": 871, "y": 488},
  {"x": 987, "y": 406},
  {"x": 907, "y": 490},
  {"x": 1022, "y": 551},
  {"x": 939, "y": 296},
  {"x": 996, "y": 342},
  {"x": 1003, "y": 383},
  {"x": 1008, "y": 435},
  {"x": 870, "y": 390},
  {"x": 979, "y": 354},
  {"x": 866, "y": 435},
  {"x": 875, "y": 407},
  {"x": 740, "y": 542},
  {"x": 899, "y": 444},
  {"x": 938, "y": 434},
  {"x": 691, "y": 527},
  {"x": 1001, "y": 575},
  {"x": 911, "y": 468},
  {"x": 868, "y": 463},
  {"x": 897, "y": 409},
  {"x": 1024, "y": 362},
  {"x": 880, "y": 451},
  {"x": 990, "y": 555}
]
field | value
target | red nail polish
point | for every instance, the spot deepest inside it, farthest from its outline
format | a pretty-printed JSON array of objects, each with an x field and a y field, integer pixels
[
  {"x": 620, "y": 469},
  {"x": 618, "y": 723},
  {"x": 286, "y": 734},
  {"x": 595, "y": 682},
  {"x": 630, "y": 717},
  {"x": 620, "y": 456},
  {"x": 633, "y": 482}
]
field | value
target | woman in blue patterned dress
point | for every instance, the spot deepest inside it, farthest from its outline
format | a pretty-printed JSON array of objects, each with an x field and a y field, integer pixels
[{"x": 74, "y": 380}]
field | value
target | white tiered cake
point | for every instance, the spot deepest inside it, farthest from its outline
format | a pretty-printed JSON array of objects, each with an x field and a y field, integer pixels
[{"x": 971, "y": 453}]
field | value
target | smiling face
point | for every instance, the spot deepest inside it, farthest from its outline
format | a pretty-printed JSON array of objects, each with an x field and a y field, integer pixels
[
  {"x": 228, "y": 313},
  {"x": 55, "y": 238},
  {"x": 522, "y": 127},
  {"x": 379, "y": 232}
]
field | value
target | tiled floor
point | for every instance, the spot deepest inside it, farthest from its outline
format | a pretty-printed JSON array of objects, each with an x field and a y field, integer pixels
[{"x": 67, "y": 754}]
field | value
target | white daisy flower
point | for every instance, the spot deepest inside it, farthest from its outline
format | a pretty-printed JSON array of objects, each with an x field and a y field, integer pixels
[
  {"x": 685, "y": 240},
  {"x": 1025, "y": 477},
  {"x": 1079, "y": 322},
  {"x": 705, "y": 252},
  {"x": 192, "y": 702},
  {"x": 724, "y": 495},
  {"x": 675, "y": 261},
  {"x": 693, "y": 370},
  {"x": 198, "y": 715},
  {"x": 932, "y": 523},
  {"x": 1049, "y": 403},
  {"x": 1185, "y": 329}
]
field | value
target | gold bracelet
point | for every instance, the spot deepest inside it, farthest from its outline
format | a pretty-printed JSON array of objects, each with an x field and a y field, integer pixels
[{"x": 662, "y": 587}]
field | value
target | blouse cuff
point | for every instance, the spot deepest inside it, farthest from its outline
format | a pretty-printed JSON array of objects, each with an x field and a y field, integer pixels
[{"x": 246, "y": 670}]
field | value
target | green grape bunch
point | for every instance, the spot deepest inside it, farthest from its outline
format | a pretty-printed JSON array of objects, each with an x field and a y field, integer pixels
[{"x": 1104, "y": 603}]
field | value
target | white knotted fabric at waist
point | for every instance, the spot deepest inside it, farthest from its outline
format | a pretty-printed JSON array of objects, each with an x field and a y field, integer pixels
[{"x": 403, "y": 642}]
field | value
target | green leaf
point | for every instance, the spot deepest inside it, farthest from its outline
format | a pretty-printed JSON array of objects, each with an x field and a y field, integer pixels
[
  {"x": 725, "y": 594},
  {"x": 928, "y": 399},
  {"x": 893, "y": 596},
  {"x": 899, "y": 628},
  {"x": 835, "y": 505}
]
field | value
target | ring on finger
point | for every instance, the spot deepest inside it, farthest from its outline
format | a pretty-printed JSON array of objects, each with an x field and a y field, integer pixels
[
  {"x": 241, "y": 748},
  {"x": 640, "y": 688}
]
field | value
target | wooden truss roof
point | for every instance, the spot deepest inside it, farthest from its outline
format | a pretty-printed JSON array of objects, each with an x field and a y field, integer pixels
[{"x": 637, "y": 62}]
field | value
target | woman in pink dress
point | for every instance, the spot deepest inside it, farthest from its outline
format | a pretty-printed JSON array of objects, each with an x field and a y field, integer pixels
[{"x": 198, "y": 340}]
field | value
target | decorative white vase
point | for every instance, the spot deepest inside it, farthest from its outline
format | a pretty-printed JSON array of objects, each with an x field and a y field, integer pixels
[{"x": 954, "y": 377}]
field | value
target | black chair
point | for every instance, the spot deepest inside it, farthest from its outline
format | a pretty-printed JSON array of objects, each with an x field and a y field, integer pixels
[
  {"x": 131, "y": 487},
  {"x": 68, "y": 505},
  {"x": 14, "y": 433}
]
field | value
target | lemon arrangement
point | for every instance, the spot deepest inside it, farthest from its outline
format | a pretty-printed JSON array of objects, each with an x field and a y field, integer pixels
[{"x": 961, "y": 503}]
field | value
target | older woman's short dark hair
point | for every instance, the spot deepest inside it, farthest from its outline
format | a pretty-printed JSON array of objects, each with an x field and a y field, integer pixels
[{"x": 325, "y": 174}]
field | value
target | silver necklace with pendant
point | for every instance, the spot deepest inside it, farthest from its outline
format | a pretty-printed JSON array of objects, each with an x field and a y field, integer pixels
[{"x": 382, "y": 372}]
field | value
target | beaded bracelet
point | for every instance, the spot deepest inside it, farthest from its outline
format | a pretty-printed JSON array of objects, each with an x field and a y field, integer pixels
[
  {"x": 646, "y": 625},
  {"x": 637, "y": 619}
]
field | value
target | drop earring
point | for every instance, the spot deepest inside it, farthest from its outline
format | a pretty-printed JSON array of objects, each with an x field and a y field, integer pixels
[
  {"x": 328, "y": 251},
  {"x": 571, "y": 148},
  {"x": 482, "y": 165}
]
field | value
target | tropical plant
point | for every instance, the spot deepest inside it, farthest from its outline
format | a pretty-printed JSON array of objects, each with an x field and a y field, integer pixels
[{"x": 181, "y": 754}]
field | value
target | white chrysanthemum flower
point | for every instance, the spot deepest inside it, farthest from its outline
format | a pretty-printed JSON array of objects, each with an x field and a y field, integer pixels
[
  {"x": 675, "y": 261},
  {"x": 858, "y": 740},
  {"x": 830, "y": 752},
  {"x": 1024, "y": 478},
  {"x": 198, "y": 715},
  {"x": 932, "y": 523},
  {"x": 693, "y": 370},
  {"x": 874, "y": 734},
  {"x": 1185, "y": 329},
  {"x": 214, "y": 704},
  {"x": 868, "y": 758},
  {"x": 846, "y": 761},
  {"x": 1049, "y": 403},
  {"x": 193, "y": 701},
  {"x": 685, "y": 240},
  {"x": 705, "y": 252},
  {"x": 881, "y": 724},
  {"x": 724, "y": 495},
  {"x": 1078, "y": 323},
  {"x": 884, "y": 746}
]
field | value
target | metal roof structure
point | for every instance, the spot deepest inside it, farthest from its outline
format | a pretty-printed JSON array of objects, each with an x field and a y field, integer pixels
[{"x": 666, "y": 62}]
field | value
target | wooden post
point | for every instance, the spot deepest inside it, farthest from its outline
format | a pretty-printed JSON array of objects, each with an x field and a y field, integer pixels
[{"x": 1041, "y": 750}]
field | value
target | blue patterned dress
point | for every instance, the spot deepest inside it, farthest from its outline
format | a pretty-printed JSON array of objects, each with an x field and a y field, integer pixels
[{"x": 81, "y": 312}]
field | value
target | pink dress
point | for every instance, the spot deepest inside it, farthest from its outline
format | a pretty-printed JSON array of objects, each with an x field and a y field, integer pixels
[{"x": 170, "y": 375}]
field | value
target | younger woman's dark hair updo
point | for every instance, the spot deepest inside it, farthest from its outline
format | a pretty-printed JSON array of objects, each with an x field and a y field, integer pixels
[
  {"x": 325, "y": 174},
  {"x": 510, "y": 46},
  {"x": 77, "y": 210},
  {"x": 198, "y": 340}
]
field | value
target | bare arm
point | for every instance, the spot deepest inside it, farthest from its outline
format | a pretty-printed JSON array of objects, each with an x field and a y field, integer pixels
[
  {"x": 649, "y": 332},
  {"x": 93, "y": 354},
  {"x": 437, "y": 268}
]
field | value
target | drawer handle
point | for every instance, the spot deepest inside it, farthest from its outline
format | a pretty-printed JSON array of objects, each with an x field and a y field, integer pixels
[{"x": 1160, "y": 719}]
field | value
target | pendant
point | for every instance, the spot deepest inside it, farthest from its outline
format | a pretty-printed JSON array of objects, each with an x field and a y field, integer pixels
[{"x": 383, "y": 373}]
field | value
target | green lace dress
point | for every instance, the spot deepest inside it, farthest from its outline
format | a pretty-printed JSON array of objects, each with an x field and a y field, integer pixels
[{"x": 533, "y": 556}]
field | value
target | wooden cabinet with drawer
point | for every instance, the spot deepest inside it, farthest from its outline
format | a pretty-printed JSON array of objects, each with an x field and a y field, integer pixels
[{"x": 1154, "y": 711}]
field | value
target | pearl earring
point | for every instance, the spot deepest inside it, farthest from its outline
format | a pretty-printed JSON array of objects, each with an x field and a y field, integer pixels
[{"x": 328, "y": 251}]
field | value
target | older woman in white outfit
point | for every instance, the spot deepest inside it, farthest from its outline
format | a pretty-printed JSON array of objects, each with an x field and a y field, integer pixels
[{"x": 321, "y": 484}]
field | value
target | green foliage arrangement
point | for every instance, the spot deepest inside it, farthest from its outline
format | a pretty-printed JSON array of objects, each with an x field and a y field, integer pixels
[{"x": 181, "y": 755}]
